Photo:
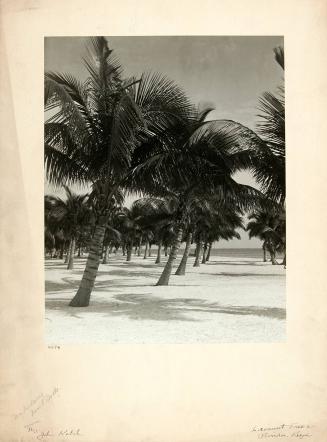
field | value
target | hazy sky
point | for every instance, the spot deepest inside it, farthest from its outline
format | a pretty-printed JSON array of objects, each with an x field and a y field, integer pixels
[{"x": 229, "y": 73}]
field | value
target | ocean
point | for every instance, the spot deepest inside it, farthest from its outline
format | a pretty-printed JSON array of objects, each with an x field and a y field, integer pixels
[{"x": 237, "y": 253}]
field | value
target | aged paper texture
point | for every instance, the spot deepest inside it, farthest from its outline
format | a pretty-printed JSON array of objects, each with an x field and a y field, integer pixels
[{"x": 191, "y": 393}]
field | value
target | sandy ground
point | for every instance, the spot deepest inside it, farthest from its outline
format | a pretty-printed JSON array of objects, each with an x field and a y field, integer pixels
[{"x": 226, "y": 300}]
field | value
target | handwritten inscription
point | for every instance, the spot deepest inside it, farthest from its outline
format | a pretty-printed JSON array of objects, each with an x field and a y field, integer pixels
[
  {"x": 34, "y": 430},
  {"x": 295, "y": 431},
  {"x": 38, "y": 430},
  {"x": 37, "y": 403}
]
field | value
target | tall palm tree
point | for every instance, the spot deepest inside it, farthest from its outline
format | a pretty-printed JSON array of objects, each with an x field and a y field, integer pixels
[
  {"x": 269, "y": 167},
  {"x": 95, "y": 129},
  {"x": 192, "y": 159}
]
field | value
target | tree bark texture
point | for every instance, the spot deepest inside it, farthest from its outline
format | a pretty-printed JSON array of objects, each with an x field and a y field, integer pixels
[
  {"x": 82, "y": 297},
  {"x": 182, "y": 265}
]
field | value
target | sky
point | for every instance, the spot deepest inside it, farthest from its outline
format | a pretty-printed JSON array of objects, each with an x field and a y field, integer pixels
[{"x": 228, "y": 73}]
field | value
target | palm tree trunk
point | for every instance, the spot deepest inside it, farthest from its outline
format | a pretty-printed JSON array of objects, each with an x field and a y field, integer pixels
[
  {"x": 209, "y": 251},
  {"x": 198, "y": 254},
  {"x": 182, "y": 265},
  {"x": 204, "y": 253},
  {"x": 158, "y": 260},
  {"x": 105, "y": 255},
  {"x": 264, "y": 252},
  {"x": 124, "y": 249},
  {"x": 71, "y": 255},
  {"x": 67, "y": 255},
  {"x": 284, "y": 260},
  {"x": 140, "y": 247},
  {"x": 273, "y": 258},
  {"x": 166, "y": 251},
  {"x": 149, "y": 250},
  {"x": 129, "y": 251},
  {"x": 61, "y": 256},
  {"x": 146, "y": 250},
  {"x": 164, "y": 278},
  {"x": 82, "y": 297},
  {"x": 272, "y": 254}
]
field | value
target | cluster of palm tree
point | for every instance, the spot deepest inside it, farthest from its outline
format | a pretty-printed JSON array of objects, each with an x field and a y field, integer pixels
[
  {"x": 144, "y": 136},
  {"x": 68, "y": 223}
]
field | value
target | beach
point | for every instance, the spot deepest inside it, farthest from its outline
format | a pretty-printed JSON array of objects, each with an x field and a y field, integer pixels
[{"x": 235, "y": 297}]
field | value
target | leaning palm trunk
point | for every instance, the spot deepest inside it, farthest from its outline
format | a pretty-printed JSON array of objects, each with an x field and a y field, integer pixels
[
  {"x": 204, "y": 253},
  {"x": 182, "y": 265},
  {"x": 82, "y": 297},
  {"x": 70, "y": 265},
  {"x": 209, "y": 251},
  {"x": 164, "y": 278},
  {"x": 158, "y": 260},
  {"x": 197, "y": 254}
]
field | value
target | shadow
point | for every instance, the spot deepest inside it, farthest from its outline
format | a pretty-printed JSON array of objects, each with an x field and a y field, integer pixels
[
  {"x": 124, "y": 272},
  {"x": 67, "y": 284},
  {"x": 242, "y": 274},
  {"x": 148, "y": 263},
  {"x": 149, "y": 307}
]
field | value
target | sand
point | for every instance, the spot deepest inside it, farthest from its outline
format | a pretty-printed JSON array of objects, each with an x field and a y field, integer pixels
[{"x": 226, "y": 300}]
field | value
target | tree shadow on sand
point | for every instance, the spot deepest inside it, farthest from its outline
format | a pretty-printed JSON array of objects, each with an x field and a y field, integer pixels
[
  {"x": 244, "y": 274},
  {"x": 148, "y": 307},
  {"x": 108, "y": 285}
]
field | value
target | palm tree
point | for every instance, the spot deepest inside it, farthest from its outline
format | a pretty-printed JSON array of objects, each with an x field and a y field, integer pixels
[
  {"x": 214, "y": 221},
  {"x": 269, "y": 226},
  {"x": 132, "y": 225},
  {"x": 192, "y": 159},
  {"x": 72, "y": 214},
  {"x": 96, "y": 127},
  {"x": 112, "y": 236},
  {"x": 269, "y": 166},
  {"x": 165, "y": 236}
]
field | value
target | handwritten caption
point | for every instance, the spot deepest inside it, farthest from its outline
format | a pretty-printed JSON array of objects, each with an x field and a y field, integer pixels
[
  {"x": 38, "y": 430},
  {"x": 46, "y": 434},
  {"x": 37, "y": 403},
  {"x": 291, "y": 431}
]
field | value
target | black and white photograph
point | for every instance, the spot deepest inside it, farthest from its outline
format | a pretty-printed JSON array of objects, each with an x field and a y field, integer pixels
[{"x": 164, "y": 200}]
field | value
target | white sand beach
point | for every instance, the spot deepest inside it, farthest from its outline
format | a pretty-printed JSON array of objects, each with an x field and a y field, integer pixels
[{"x": 229, "y": 299}]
